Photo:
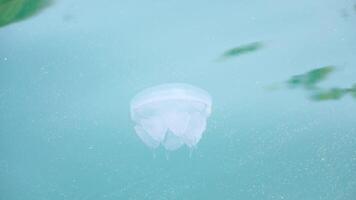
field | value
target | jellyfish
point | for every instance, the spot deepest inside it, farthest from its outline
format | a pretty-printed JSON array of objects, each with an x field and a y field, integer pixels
[{"x": 171, "y": 115}]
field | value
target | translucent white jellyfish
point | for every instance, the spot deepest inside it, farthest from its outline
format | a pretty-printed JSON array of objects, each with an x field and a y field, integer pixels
[{"x": 171, "y": 115}]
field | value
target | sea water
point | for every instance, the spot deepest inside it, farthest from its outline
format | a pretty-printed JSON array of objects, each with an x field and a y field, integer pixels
[{"x": 68, "y": 74}]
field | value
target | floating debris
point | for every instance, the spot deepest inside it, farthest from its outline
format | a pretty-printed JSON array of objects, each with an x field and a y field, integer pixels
[
  {"x": 243, "y": 49},
  {"x": 310, "y": 79},
  {"x": 344, "y": 13},
  {"x": 17, "y": 10}
]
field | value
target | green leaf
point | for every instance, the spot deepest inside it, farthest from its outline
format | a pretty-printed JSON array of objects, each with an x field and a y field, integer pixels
[
  {"x": 243, "y": 49},
  {"x": 17, "y": 10}
]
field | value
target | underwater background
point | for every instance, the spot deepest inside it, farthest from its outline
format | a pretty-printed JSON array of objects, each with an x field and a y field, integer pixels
[{"x": 281, "y": 75}]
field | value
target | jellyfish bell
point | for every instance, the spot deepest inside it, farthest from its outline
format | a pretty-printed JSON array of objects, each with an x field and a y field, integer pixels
[{"x": 171, "y": 115}]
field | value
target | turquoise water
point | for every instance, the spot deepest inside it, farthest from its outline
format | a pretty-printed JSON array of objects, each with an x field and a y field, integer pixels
[{"x": 67, "y": 76}]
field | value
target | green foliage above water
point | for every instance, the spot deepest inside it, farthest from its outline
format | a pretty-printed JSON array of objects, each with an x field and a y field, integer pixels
[
  {"x": 243, "y": 49},
  {"x": 309, "y": 81},
  {"x": 17, "y": 10},
  {"x": 334, "y": 93},
  {"x": 329, "y": 94}
]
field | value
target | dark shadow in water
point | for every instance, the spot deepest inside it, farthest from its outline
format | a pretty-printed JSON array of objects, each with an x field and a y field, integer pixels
[
  {"x": 68, "y": 17},
  {"x": 240, "y": 50},
  {"x": 17, "y": 10},
  {"x": 345, "y": 13},
  {"x": 309, "y": 81}
]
